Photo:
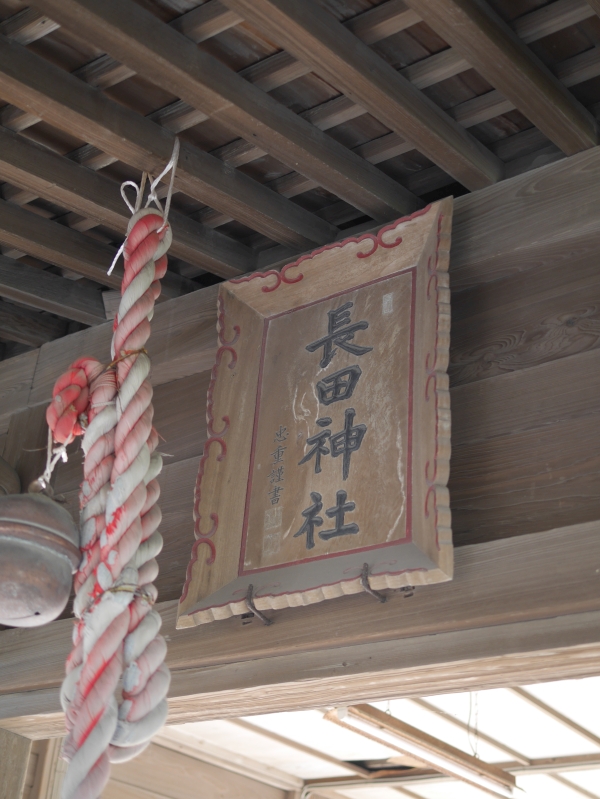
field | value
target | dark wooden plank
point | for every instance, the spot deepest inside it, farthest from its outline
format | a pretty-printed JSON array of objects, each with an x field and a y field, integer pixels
[
  {"x": 518, "y": 484},
  {"x": 496, "y": 52},
  {"x": 183, "y": 342},
  {"x": 26, "y": 443},
  {"x": 27, "y": 26},
  {"x": 57, "y": 244},
  {"x": 16, "y": 379},
  {"x": 315, "y": 37},
  {"x": 541, "y": 219},
  {"x": 541, "y": 397},
  {"x": 46, "y": 174},
  {"x": 63, "y": 246},
  {"x": 137, "y": 38},
  {"x": 29, "y": 327},
  {"x": 46, "y": 292},
  {"x": 65, "y": 101},
  {"x": 505, "y": 340}
]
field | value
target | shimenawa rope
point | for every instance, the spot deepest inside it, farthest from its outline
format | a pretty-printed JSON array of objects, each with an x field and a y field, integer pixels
[{"x": 116, "y": 641}]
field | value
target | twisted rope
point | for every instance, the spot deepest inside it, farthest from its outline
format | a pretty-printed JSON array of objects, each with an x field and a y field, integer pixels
[{"x": 117, "y": 634}]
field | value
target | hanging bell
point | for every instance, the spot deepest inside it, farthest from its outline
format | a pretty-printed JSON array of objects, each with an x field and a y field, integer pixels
[{"x": 39, "y": 551}]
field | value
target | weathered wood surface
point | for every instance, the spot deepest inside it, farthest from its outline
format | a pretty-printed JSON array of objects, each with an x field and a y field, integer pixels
[
  {"x": 501, "y": 621},
  {"x": 37, "y": 86},
  {"x": 167, "y": 774},
  {"x": 495, "y": 51},
  {"x": 498, "y": 583},
  {"x": 14, "y": 753},
  {"x": 39, "y": 289},
  {"x": 29, "y": 327},
  {"x": 317, "y": 39},
  {"x": 539, "y": 220}
]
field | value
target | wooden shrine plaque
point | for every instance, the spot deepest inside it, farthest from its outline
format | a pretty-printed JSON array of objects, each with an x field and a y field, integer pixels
[{"x": 329, "y": 427}]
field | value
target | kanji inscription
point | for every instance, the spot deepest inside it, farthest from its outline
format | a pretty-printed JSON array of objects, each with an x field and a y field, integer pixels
[{"x": 332, "y": 390}]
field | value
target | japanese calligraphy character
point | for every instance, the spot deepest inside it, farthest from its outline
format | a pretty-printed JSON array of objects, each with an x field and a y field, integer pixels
[
  {"x": 319, "y": 447},
  {"x": 311, "y": 520},
  {"x": 338, "y": 513},
  {"x": 274, "y": 494},
  {"x": 340, "y": 333},
  {"x": 278, "y": 454},
  {"x": 347, "y": 441},
  {"x": 276, "y": 475},
  {"x": 281, "y": 434},
  {"x": 339, "y": 385}
]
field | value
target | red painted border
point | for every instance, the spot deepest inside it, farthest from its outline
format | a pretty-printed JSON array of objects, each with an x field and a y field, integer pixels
[
  {"x": 214, "y": 437},
  {"x": 376, "y": 238},
  {"x": 408, "y": 527}
]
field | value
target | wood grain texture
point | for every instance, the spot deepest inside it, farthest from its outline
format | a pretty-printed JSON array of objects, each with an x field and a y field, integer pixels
[
  {"x": 182, "y": 343},
  {"x": 16, "y": 379},
  {"x": 14, "y": 751},
  {"x": 506, "y": 340},
  {"x": 491, "y": 47},
  {"x": 65, "y": 101},
  {"x": 57, "y": 244},
  {"x": 156, "y": 51},
  {"x": 542, "y": 219},
  {"x": 46, "y": 292},
  {"x": 316, "y": 38},
  {"x": 477, "y": 659},
  {"x": 172, "y": 775},
  {"x": 29, "y": 327},
  {"x": 497, "y": 583},
  {"x": 365, "y": 269},
  {"x": 53, "y": 177},
  {"x": 26, "y": 443}
]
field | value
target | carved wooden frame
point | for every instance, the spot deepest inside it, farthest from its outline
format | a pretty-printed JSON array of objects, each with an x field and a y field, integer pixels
[{"x": 419, "y": 243}]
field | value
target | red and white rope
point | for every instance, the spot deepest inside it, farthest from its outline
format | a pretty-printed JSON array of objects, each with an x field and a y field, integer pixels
[{"x": 116, "y": 639}]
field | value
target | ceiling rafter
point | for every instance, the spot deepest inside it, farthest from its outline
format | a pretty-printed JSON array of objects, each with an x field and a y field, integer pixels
[
  {"x": 371, "y": 26},
  {"x": 61, "y": 246},
  {"x": 66, "y": 102},
  {"x": 497, "y": 53},
  {"x": 317, "y": 39},
  {"x": 176, "y": 64},
  {"x": 44, "y": 291},
  {"x": 556, "y": 715},
  {"x": 29, "y": 327},
  {"x": 37, "y": 170},
  {"x": 27, "y": 26}
]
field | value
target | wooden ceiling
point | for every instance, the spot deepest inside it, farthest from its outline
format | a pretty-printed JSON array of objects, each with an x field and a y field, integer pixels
[{"x": 298, "y": 119}]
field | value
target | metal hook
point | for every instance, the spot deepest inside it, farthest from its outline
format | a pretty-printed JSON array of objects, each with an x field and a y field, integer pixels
[
  {"x": 253, "y": 609},
  {"x": 364, "y": 580}
]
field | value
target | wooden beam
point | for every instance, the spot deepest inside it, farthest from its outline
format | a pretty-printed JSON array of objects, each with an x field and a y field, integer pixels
[
  {"x": 27, "y": 26},
  {"x": 557, "y": 716},
  {"x": 316, "y": 38},
  {"x": 58, "y": 179},
  {"x": 496, "y": 52},
  {"x": 46, "y": 292},
  {"x": 137, "y": 38},
  {"x": 29, "y": 327},
  {"x": 595, "y": 6},
  {"x": 63, "y": 100},
  {"x": 14, "y": 751},
  {"x": 490, "y": 627},
  {"x": 62, "y": 246},
  {"x": 57, "y": 244}
]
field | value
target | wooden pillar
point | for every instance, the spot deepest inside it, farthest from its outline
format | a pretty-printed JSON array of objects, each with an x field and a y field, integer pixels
[
  {"x": 14, "y": 762},
  {"x": 49, "y": 772}
]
